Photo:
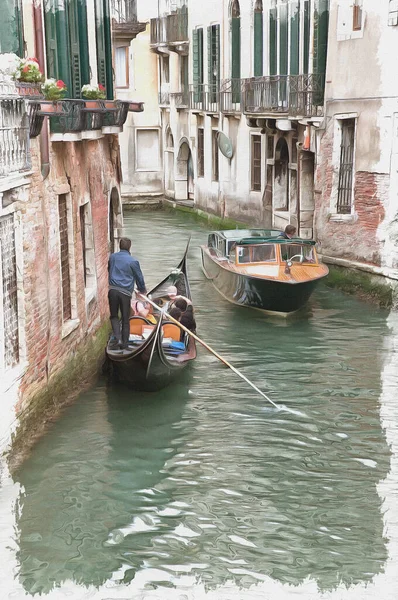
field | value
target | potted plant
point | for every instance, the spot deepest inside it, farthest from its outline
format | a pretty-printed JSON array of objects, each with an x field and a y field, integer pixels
[
  {"x": 28, "y": 71},
  {"x": 53, "y": 91},
  {"x": 93, "y": 93}
]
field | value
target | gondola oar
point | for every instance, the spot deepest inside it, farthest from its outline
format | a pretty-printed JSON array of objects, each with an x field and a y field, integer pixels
[{"x": 220, "y": 358}]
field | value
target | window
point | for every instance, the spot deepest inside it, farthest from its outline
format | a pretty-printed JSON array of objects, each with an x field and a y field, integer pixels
[
  {"x": 8, "y": 269},
  {"x": 104, "y": 44},
  {"x": 298, "y": 253},
  {"x": 213, "y": 55},
  {"x": 184, "y": 77},
  {"x": 243, "y": 254},
  {"x": 346, "y": 167},
  {"x": 67, "y": 44},
  {"x": 165, "y": 69},
  {"x": 122, "y": 67},
  {"x": 357, "y": 15},
  {"x": 197, "y": 66},
  {"x": 258, "y": 39},
  {"x": 235, "y": 46},
  {"x": 256, "y": 162},
  {"x": 201, "y": 152},
  {"x": 11, "y": 28},
  {"x": 265, "y": 253},
  {"x": 393, "y": 12},
  {"x": 214, "y": 137},
  {"x": 88, "y": 255},
  {"x": 64, "y": 258},
  {"x": 147, "y": 150}
]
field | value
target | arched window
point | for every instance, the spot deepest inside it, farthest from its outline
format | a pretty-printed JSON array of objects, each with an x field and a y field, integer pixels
[
  {"x": 258, "y": 39},
  {"x": 235, "y": 45}
]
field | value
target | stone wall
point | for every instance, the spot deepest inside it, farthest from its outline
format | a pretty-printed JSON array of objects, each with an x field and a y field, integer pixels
[{"x": 87, "y": 172}]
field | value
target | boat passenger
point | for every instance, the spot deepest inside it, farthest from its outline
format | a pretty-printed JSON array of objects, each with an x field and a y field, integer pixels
[
  {"x": 124, "y": 273},
  {"x": 143, "y": 309},
  {"x": 289, "y": 232},
  {"x": 175, "y": 312},
  {"x": 188, "y": 320},
  {"x": 172, "y": 293},
  {"x": 180, "y": 303}
]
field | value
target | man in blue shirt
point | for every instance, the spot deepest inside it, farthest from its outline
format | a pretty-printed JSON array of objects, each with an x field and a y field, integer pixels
[{"x": 124, "y": 273}]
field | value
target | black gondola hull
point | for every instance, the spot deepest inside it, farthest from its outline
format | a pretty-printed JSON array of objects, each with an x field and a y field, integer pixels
[{"x": 255, "y": 292}]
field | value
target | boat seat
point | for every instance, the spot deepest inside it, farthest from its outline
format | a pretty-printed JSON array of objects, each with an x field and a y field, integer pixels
[
  {"x": 136, "y": 325},
  {"x": 170, "y": 330}
]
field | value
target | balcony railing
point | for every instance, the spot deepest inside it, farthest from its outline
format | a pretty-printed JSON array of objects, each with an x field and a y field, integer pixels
[
  {"x": 231, "y": 96},
  {"x": 14, "y": 136},
  {"x": 164, "y": 98},
  {"x": 203, "y": 97},
  {"x": 181, "y": 99},
  {"x": 124, "y": 11},
  {"x": 295, "y": 95},
  {"x": 170, "y": 29}
]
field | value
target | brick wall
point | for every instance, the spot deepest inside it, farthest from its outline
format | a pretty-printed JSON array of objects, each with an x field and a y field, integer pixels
[
  {"x": 355, "y": 238},
  {"x": 86, "y": 170}
]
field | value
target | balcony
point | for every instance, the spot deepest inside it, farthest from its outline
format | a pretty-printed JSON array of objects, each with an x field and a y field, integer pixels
[
  {"x": 204, "y": 98},
  {"x": 180, "y": 100},
  {"x": 74, "y": 120},
  {"x": 164, "y": 95},
  {"x": 124, "y": 20},
  {"x": 170, "y": 32},
  {"x": 14, "y": 136},
  {"x": 298, "y": 96},
  {"x": 231, "y": 96}
]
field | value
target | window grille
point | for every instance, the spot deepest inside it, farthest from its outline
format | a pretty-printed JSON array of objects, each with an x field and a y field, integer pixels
[
  {"x": 201, "y": 152},
  {"x": 64, "y": 256},
  {"x": 344, "y": 192},
  {"x": 256, "y": 163},
  {"x": 10, "y": 291},
  {"x": 215, "y": 155}
]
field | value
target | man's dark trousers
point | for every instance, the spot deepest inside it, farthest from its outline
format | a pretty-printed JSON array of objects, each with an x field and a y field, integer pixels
[{"x": 118, "y": 300}]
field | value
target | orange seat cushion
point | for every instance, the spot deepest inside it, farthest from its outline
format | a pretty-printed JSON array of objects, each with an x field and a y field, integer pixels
[
  {"x": 172, "y": 331},
  {"x": 136, "y": 325}
]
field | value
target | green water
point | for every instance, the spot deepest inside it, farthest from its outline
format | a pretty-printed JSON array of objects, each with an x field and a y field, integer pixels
[{"x": 207, "y": 487}]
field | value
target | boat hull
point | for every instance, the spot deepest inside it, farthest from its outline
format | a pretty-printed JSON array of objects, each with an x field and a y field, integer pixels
[{"x": 264, "y": 294}]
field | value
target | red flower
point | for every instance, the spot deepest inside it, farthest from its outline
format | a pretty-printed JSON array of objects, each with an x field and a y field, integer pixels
[
  {"x": 34, "y": 60},
  {"x": 60, "y": 84},
  {"x": 101, "y": 87},
  {"x": 25, "y": 69}
]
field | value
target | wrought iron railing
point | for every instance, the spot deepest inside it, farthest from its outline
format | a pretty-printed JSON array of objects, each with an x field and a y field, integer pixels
[
  {"x": 296, "y": 95},
  {"x": 231, "y": 96},
  {"x": 204, "y": 97},
  {"x": 124, "y": 11},
  {"x": 181, "y": 99},
  {"x": 14, "y": 136}
]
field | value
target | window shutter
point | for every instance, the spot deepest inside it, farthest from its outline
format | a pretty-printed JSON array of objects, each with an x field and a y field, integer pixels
[
  {"x": 195, "y": 62},
  {"x": 209, "y": 56},
  {"x": 273, "y": 24},
  {"x": 57, "y": 41},
  {"x": 217, "y": 54},
  {"x": 51, "y": 39},
  {"x": 306, "y": 36},
  {"x": 104, "y": 48},
  {"x": 200, "y": 56},
  {"x": 258, "y": 44},
  {"x": 11, "y": 28},
  {"x": 74, "y": 50},
  {"x": 235, "y": 34},
  {"x": 83, "y": 41},
  {"x": 294, "y": 37},
  {"x": 283, "y": 39}
]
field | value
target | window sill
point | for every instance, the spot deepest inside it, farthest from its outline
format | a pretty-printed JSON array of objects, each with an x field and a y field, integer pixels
[
  {"x": 69, "y": 326},
  {"x": 336, "y": 218}
]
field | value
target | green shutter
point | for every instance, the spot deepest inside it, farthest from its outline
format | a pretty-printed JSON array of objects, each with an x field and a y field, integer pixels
[
  {"x": 306, "y": 34},
  {"x": 11, "y": 28},
  {"x": 235, "y": 34},
  {"x": 283, "y": 38},
  {"x": 209, "y": 57},
  {"x": 57, "y": 42},
  {"x": 321, "y": 35},
  {"x": 195, "y": 63},
  {"x": 200, "y": 56},
  {"x": 103, "y": 41},
  {"x": 294, "y": 37},
  {"x": 258, "y": 43},
  {"x": 213, "y": 59},
  {"x": 273, "y": 23},
  {"x": 76, "y": 75},
  {"x": 83, "y": 41}
]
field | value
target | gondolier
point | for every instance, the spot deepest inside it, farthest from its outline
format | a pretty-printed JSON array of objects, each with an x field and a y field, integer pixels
[{"x": 124, "y": 273}]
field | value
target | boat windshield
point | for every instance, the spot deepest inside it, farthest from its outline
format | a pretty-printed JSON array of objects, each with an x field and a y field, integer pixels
[
  {"x": 298, "y": 253},
  {"x": 256, "y": 254}
]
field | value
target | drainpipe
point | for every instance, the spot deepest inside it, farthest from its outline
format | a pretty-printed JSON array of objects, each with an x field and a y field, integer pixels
[{"x": 40, "y": 55}]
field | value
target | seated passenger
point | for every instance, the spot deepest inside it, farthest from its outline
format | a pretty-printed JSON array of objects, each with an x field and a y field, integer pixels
[
  {"x": 175, "y": 312},
  {"x": 180, "y": 303},
  {"x": 188, "y": 320},
  {"x": 172, "y": 293},
  {"x": 143, "y": 309}
]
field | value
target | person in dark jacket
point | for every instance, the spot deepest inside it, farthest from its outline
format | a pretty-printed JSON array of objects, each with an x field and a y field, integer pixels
[
  {"x": 188, "y": 320},
  {"x": 289, "y": 232},
  {"x": 124, "y": 273}
]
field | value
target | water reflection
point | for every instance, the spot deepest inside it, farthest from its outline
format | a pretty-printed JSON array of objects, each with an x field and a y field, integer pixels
[{"x": 207, "y": 479}]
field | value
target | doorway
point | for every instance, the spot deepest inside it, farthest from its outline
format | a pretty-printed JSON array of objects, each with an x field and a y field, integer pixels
[{"x": 184, "y": 180}]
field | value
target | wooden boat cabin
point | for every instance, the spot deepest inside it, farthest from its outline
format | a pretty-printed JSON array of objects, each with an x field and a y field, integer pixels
[{"x": 258, "y": 268}]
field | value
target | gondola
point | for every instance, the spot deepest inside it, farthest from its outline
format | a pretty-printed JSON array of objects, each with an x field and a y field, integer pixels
[
  {"x": 259, "y": 269},
  {"x": 156, "y": 354}
]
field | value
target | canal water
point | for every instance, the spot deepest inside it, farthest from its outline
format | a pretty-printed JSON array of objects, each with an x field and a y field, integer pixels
[{"x": 205, "y": 490}]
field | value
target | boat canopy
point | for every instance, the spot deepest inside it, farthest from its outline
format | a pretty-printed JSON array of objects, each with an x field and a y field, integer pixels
[{"x": 251, "y": 241}]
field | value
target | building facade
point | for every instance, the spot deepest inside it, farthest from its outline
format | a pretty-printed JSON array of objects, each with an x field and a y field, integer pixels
[
  {"x": 357, "y": 181},
  {"x": 60, "y": 207}
]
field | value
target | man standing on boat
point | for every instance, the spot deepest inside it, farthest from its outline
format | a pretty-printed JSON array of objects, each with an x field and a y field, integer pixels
[
  {"x": 289, "y": 232},
  {"x": 124, "y": 273}
]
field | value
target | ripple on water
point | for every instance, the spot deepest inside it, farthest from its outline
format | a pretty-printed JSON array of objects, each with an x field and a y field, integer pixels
[{"x": 206, "y": 478}]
